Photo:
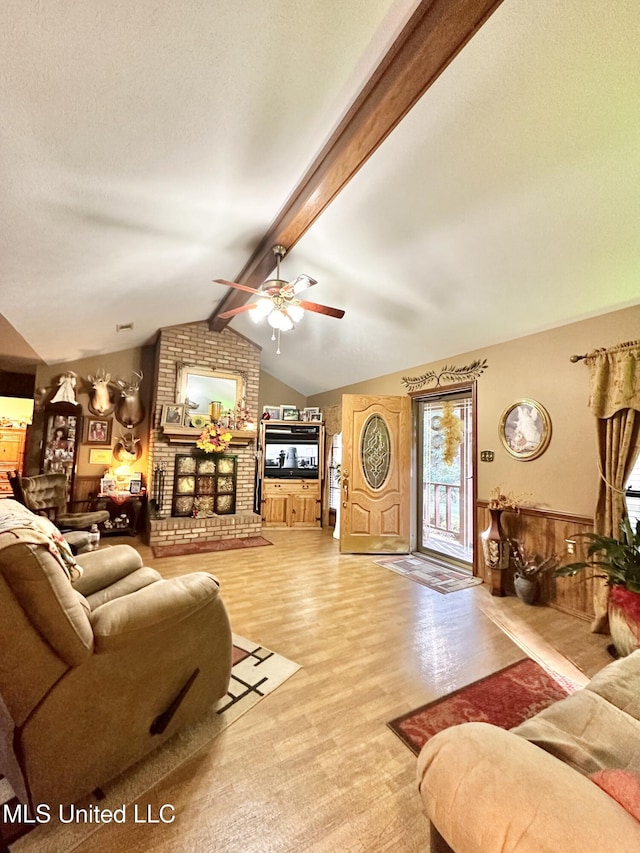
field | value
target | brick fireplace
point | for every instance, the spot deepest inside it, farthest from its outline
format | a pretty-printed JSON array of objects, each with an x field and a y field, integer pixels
[{"x": 195, "y": 345}]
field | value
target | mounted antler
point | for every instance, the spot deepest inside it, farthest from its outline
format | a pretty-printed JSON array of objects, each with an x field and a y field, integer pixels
[
  {"x": 129, "y": 408},
  {"x": 127, "y": 448}
]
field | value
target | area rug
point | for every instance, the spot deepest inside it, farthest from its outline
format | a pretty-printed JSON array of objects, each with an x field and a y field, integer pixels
[
  {"x": 204, "y": 547},
  {"x": 505, "y": 698},
  {"x": 439, "y": 578},
  {"x": 256, "y": 672}
]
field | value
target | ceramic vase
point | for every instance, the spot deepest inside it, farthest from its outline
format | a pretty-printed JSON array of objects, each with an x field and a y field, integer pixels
[
  {"x": 495, "y": 549},
  {"x": 526, "y": 588},
  {"x": 624, "y": 619}
]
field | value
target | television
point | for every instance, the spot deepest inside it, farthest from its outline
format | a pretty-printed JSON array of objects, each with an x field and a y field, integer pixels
[{"x": 291, "y": 452}]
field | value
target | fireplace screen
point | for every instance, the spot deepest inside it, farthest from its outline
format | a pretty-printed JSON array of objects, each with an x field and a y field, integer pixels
[{"x": 205, "y": 486}]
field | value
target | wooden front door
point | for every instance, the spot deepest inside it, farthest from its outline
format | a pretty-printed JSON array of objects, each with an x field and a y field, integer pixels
[{"x": 375, "y": 475}]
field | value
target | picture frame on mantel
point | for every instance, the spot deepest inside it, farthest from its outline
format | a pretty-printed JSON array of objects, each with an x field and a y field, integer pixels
[
  {"x": 525, "y": 429},
  {"x": 172, "y": 414}
]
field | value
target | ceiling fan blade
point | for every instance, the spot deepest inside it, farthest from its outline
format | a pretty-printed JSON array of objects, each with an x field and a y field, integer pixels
[
  {"x": 237, "y": 285},
  {"x": 301, "y": 283},
  {"x": 234, "y": 311},
  {"x": 338, "y": 313}
]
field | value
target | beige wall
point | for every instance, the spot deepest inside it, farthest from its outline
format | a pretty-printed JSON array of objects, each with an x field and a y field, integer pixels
[
  {"x": 565, "y": 477},
  {"x": 276, "y": 393},
  {"x": 118, "y": 364}
]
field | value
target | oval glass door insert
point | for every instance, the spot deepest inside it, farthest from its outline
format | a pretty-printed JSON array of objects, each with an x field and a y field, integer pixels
[{"x": 375, "y": 451}]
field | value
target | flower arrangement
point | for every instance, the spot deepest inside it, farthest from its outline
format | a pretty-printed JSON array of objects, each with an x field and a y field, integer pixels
[
  {"x": 214, "y": 439},
  {"x": 499, "y": 500},
  {"x": 529, "y": 565}
]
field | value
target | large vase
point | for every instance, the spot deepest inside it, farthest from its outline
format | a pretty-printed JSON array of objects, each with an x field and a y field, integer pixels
[
  {"x": 495, "y": 548},
  {"x": 624, "y": 619}
]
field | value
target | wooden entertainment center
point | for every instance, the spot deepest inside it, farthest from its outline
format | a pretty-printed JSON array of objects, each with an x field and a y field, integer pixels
[{"x": 291, "y": 473}]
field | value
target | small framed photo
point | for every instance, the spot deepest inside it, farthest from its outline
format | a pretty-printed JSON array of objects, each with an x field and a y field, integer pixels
[
  {"x": 135, "y": 485},
  {"x": 108, "y": 486},
  {"x": 100, "y": 456},
  {"x": 271, "y": 413},
  {"x": 98, "y": 430},
  {"x": 525, "y": 429},
  {"x": 315, "y": 416},
  {"x": 309, "y": 413},
  {"x": 172, "y": 414},
  {"x": 289, "y": 413}
]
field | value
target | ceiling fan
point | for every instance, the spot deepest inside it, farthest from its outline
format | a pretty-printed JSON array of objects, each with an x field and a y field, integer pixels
[{"x": 278, "y": 302}]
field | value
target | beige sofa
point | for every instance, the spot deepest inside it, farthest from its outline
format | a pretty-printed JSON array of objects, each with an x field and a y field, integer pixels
[
  {"x": 97, "y": 670},
  {"x": 487, "y": 790}
]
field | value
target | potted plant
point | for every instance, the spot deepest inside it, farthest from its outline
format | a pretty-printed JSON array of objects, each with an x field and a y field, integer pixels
[
  {"x": 529, "y": 568},
  {"x": 618, "y": 562}
]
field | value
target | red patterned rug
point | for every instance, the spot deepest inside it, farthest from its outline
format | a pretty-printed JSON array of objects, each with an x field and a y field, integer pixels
[
  {"x": 205, "y": 547},
  {"x": 505, "y": 698}
]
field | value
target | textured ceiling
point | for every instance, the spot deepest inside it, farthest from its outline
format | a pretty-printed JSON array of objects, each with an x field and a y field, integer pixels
[{"x": 145, "y": 148}]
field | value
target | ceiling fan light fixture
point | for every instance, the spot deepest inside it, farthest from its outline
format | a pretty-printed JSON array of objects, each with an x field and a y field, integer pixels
[
  {"x": 296, "y": 312},
  {"x": 276, "y": 300},
  {"x": 262, "y": 309},
  {"x": 278, "y": 319}
]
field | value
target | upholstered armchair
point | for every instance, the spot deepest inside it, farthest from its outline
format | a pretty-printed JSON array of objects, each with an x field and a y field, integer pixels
[
  {"x": 46, "y": 494},
  {"x": 97, "y": 668}
]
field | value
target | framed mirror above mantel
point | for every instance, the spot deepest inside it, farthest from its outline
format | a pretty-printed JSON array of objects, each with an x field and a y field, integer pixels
[
  {"x": 198, "y": 387},
  {"x": 204, "y": 393}
]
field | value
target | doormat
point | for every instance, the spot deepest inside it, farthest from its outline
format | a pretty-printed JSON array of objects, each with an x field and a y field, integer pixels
[
  {"x": 256, "y": 672},
  {"x": 441, "y": 579},
  {"x": 204, "y": 547},
  {"x": 505, "y": 698}
]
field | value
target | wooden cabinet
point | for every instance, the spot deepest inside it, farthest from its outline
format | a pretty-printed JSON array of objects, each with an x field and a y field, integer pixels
[
  {"x": 291, "y": 473},
  {"x": 291, "y": 503},
  {"x": 11, "y": 457}
]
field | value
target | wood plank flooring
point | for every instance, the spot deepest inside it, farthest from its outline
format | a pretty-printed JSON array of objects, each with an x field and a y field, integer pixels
[{"x": 313, "y": 767}]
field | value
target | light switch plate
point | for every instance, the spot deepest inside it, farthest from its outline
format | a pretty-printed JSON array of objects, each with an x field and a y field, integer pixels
[{"x": 486, "y": 455}]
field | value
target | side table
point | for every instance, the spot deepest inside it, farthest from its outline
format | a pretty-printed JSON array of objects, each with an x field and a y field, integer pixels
[{"x": 124, "y": 513}]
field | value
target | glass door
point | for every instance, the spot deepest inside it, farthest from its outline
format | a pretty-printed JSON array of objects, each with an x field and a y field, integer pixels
[{"x": 445, "y": 481}]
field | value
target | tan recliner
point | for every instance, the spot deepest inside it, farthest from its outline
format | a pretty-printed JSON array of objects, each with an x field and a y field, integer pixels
[
  {"x": 46, "y": 494},
  {"x": 97, "y": 671}
]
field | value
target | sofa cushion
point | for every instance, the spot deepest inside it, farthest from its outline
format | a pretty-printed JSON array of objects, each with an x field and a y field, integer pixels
[
  {"x": 586, "y": 732},
  {"x": 618, "y": 684}
]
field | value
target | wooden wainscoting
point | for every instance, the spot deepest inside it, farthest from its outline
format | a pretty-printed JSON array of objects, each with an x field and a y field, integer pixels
[
  {"x": 545, "y": 532},
  {"x": 84, "y": 490}
]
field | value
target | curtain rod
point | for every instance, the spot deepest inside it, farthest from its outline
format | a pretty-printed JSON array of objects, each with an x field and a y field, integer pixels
[{"x": 627, "y": 345}]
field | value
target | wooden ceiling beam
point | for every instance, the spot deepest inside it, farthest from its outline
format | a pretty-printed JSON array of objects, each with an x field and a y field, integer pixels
[{"x": 434, "y": 35}]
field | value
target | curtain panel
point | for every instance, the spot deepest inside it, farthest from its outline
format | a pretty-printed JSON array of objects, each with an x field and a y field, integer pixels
[{"x": 615, "y": 402}]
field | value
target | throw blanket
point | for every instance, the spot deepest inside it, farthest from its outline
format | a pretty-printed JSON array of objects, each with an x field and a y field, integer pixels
[{"x": 36, "y": 530}]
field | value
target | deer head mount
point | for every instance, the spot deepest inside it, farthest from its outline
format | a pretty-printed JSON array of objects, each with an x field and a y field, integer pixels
[
  {"x": 128, "y": 448},
  {"x": 101, "y": 395},
  {"x": 129, "y": 408}
]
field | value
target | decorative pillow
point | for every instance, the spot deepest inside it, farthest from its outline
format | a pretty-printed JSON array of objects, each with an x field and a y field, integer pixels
[{"x": 623, "y": 786}]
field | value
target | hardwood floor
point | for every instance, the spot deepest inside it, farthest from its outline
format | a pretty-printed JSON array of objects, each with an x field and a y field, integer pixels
[{"x": 313, "y": 767}]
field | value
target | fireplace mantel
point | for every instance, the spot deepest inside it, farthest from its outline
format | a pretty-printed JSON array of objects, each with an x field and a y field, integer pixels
[{"x": 189, "y": 435}]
